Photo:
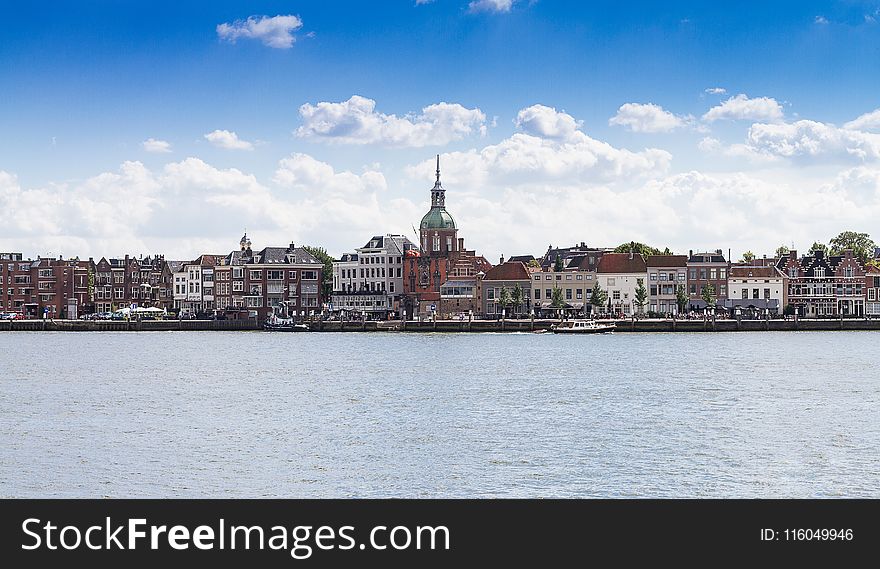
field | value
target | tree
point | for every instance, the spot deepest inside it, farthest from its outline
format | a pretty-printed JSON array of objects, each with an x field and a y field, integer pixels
[
  {"x": 861, "y": 244},
  {"x": 681, "y": 298},
  {"x": 640, "y": 249},
  {"x": 748, "y": 257},
  {"x": 782, "y": 251},
  {"x": 598, "y": 297},
  {"x": 535, "y": 264},
  {"x": 709, "y": 295},
  {"x": 816, "y": 246},
  {"x": 641, "y": 297},
  {"x": 504, "y": 297},
  {"x": 556, "y": 300},
  {"x": 788, "y": 310},
  {"x": 517, "y": 297},
  {"x": 327, "y": 275},
  {"x": 559, "y": 264}
]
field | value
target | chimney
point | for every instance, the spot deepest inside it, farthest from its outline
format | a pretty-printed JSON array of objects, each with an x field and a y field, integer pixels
[
  {"x": 461, "y": 243},
  {"x": 690, "y": 253},
  {"x": 502, "y": 260},
  {"x": 792, "y": 254},
  {"x": 630, "y": 254},
  {"x": 292, "y": 246}
]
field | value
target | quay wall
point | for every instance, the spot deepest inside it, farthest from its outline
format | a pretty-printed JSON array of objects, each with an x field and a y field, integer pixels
[{"x": 439, "y": 326}]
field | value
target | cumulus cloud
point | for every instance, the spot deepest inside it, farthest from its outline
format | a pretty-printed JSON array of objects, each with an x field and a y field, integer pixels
[
  {"x": 716, "y": 90},
  {"x": 547, "y": 122},
  {"x": 867, "y": 121},
  {"x": 228, "y": 140},
  {"x": 191, "y": 207},
  {"x": 649, "y": 117},
  {"x": 275, "y": 31},
  {"x": 491, "y": 5},
  {"x": 821, "y": 20},
  {"x": 356, "y": 121},
  {"x": 156, "y": 146},
  {"x": 812, "y": 139},
  {"x": 741, "y": 107}
]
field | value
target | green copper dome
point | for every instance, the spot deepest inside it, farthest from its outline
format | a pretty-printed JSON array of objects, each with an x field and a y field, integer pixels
[{"x": 438, "y": 218}]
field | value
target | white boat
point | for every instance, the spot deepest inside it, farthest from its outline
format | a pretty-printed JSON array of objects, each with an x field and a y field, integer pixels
[
  {"x": 582, "y": 327},
  {"x": 283, "y": 323}
]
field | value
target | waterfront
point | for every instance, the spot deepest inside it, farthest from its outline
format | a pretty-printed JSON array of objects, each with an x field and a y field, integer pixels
[{"x": 238, "y": 414}]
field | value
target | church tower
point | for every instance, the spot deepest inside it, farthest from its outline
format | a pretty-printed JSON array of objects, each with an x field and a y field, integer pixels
[{"x": 439, "y": 236}]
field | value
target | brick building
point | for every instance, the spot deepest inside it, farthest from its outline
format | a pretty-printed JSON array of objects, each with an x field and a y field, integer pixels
[
  {"x": 821, "y": 286},
  {"x": 50, "y": 288},
  {"x": 257, "y": 282},
  {"x": 704, "y": 269},
  {"x": 132, "y": 281}
]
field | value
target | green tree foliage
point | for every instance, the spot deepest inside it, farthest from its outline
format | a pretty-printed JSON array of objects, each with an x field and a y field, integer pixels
[
  {"x": 556, "y": 300},
  {"x": 598, "y": 297},
  {"x": 816, "y": 246},
  {"x": 517, "y": 297},
  {"x": 782, "y": 251},
  {"x": 559, "y": 264},
  {"x": 641, "y": 297},
  {"x": 327, "y": 274},
  {"x": 681, "y": 298},
  {"x": 708, "y": 295},
  {"x": 504, "y": 297},
  {"x": 748, "y": 257},
  {"x": 860, "y": 243},
  {"x": 641, "y": 249}
]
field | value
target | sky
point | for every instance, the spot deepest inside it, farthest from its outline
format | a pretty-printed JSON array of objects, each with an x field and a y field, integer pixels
[{"x": 173, "y": 127}]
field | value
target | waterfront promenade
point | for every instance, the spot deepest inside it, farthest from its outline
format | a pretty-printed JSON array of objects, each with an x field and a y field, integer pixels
[{"x": 524, "y": 325}]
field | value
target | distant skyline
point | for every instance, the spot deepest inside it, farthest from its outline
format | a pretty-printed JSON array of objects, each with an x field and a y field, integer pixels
[{"x": 144, "y": 128}]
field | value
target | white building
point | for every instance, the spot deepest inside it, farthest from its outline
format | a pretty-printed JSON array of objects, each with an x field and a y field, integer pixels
[
  {"x": 193, "y": 283},
  {"x": 755, "y": 290},
  {"x": 371, "y": 280},
  {"x": 620, "y": 275}
]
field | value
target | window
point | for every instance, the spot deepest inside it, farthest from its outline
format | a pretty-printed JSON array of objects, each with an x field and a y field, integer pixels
[
  {"x": 568, "y": 294},
  {"x": 616, "y": 295},
  {"x": 237, "y": 286},
  {"x": 693, "y": 289},
  {"x": 847, "y": 272},
  {"x": 568, "y": 277},
  {"x": 310, "y": 275},
  {"x": 745, "y": 293},
  {"x": 653, "y": 290},
  {"x": 693, "y": 274},
  {"x": 548, "y": 277},
  {"x": 702, "y": 274},
  {"x": 237, "y": 272},
  {"x": 653, "y": 276},
  {"x": 538, "y": 294},
  {"x": 537, "y": 278},
  {"x": 256, "y": 275},
  {"x": 756, "y": 293},
  {"x": 722, "y": 290},
  {"x": 579, "y": 294},
  {"x": 767, "y": 294},
  {"x": 275, "y": 275},
  {"x": 682, "y": 277},
  {"x": 292, "y": 274},
  {"x": 579, "y": 277},
  {"x": 548, "y": 294},
  {"x": 436, "y": 242},
  {"x": 490, "y": 293},
  {"x": 722, "y": 274}
]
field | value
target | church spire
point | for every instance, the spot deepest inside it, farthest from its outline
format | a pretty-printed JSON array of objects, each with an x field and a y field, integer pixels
[{"x": 438, "y": 194}]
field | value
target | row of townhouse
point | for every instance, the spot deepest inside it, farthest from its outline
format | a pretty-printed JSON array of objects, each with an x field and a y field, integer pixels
[{"x": 250, "y": 284}]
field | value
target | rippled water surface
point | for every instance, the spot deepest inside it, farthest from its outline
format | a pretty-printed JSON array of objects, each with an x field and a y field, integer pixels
[{"x": 212, "y": 414}]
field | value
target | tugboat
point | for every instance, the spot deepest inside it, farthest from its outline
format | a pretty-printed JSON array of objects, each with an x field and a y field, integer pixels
[
  {"x": 582, "y": 327},
  {"x": 276, "y": 323}
]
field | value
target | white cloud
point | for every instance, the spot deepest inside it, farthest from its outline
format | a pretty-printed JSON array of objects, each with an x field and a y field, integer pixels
[
  {"x": 276, "y": 31},
  {"x": 420, "y": 2},
  {"x": 356, "y": 121},
  {"x": 156, "y": 146},
  {"x": 716, "y": 90},
  {"x": 228, "y": 140},
  {"x": 821, "y": 20},
  {"x": 742, "y": 107},
  {"x": 649, "y": 117},
  {"x": 547, "y": 122},
  {"x": 813, "y": 139},
  {"x": 491, "y": 5},
  {"x": 867, "y": 121}
]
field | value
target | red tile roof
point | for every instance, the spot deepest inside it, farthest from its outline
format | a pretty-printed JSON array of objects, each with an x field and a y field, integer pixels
[
  {"x": 509, "y": 271},
  {"x": 754, "y": 272},
  {"x": 622, "y": 263}
]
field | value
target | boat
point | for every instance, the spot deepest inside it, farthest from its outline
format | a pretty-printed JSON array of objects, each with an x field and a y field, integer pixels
[
  {"x": 276, "y": 323},
  {"x": 582, "y": 327}
]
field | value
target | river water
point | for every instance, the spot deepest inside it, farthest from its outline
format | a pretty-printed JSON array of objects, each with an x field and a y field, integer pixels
[{"x": 251, "y": 414}]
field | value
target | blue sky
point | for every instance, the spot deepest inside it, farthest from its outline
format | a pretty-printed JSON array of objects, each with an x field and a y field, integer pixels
[{"x": 84, "y": 86}]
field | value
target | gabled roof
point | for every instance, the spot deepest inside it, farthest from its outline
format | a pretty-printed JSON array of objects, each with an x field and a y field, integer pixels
[
  {"x": 712, "y": 256},
  {"x": 667, "y": 261},
  {"x": 509, "y": 271},
  {"x": 622, "y": 263}
]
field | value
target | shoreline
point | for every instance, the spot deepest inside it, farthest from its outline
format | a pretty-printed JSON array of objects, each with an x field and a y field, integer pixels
[{"x": 448, "y": 326}]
